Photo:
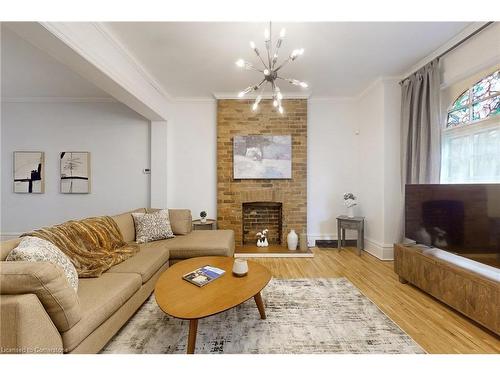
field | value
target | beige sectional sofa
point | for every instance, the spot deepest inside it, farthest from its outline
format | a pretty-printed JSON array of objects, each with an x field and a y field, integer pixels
[{"x": 41, "y": 313}]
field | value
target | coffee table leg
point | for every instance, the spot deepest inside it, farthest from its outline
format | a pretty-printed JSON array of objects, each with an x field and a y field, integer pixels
[
  {"x": 260, "y": 305},
  {"x": 193, "y": 327}
]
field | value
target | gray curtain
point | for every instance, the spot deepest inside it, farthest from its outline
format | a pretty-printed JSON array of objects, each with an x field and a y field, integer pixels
[{"x": 421, "y": 128}]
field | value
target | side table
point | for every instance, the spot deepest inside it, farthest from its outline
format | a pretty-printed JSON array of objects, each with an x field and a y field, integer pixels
[
  {"x": 356, "y": 223},
  {"x": 210, "y": 224}
]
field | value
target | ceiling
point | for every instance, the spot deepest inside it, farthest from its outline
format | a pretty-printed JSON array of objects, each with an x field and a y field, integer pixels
[
  {"x": 28, "y": 72},
  {"x": 197, "y": 59}
]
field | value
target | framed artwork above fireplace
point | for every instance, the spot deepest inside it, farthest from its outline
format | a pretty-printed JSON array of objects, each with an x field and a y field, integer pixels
[{"x": 262, "y": 157}]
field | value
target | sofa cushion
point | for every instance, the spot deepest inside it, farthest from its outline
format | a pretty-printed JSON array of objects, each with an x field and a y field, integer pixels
[
  {"x": 7, "y": 246},
  {"x": 152, "y": 226},
  {"x": 99, "y": 298},
  {"x": 181, "y": 221},
  {"x": 201, "y": 243},
  {"x": 50, "y": 285},
  {"x": 34, "y": 249},
  {"x": 151, "y": 257},
  {"x": 125, "y": 223}
]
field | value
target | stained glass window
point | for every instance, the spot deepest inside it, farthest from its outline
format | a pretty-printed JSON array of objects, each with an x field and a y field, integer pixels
[
  {"x": 479, "y": 102},
  {"x": 470, "y": 149},
  {"x": 489, "y": 86}
]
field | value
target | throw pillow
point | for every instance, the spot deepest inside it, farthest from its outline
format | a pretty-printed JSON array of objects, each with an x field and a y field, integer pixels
[
  {"x": 152, "y": 226},
  {"x": 34, "y": 249}
]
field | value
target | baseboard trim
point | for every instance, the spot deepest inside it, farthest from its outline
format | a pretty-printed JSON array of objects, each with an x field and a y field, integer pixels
[
  {"x": 379, "y": 250},
  {"x": 375, "y": 248}
]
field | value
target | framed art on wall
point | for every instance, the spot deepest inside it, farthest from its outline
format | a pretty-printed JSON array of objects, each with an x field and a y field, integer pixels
[
  {"x": 262, "y": 157},
  {"x": 29, "y": 169},
  {"x": 75, "y": 172}
]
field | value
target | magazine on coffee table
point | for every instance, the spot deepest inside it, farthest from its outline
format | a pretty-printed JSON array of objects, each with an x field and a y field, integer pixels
[{"x": 203, "y": 275}]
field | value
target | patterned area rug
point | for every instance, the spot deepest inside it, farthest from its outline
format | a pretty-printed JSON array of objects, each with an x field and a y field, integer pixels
[{"x": 303, "y": 316}]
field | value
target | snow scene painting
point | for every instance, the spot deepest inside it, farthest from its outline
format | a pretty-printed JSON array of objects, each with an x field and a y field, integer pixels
[
  {"x": 262, "y": 156},
  {"x": 75, "y": 172}
]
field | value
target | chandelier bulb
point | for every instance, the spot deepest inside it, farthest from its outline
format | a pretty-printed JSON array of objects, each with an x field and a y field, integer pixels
[
  {"x": 282, "y": 33},
  {"x": 280, "y": 109},
  {"x": 240, "y": 63},
  {"x": 303, "y": 84},
  {"x": 266, "y": 72},
  {"x": 255, "y": 106},
  {"x": 275, "y": 103},
  {"x": 252, "y": 45},
  {"x": 280, "y": 95},
  {"x": 267, "y": 34}
]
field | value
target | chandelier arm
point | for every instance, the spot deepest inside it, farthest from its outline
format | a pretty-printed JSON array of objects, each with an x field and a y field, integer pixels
[
  {"x": 255, "y": 69},
  {"x": 256, "y": 87},
  {"x": 275, "y": 56},
  {"x": 283, "y": 64},
  {"x": 263, "y": 63}
]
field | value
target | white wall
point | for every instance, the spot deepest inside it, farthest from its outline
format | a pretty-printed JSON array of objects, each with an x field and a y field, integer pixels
[
  {"x": 117, "y": 138},
  {"x": 476, "y": 54},
  {"x": 192, "y": 157},
  {"x": 332, "y": 162},
  {"x": 379, "y": 173},
  {"x": 370, "y": 173}
]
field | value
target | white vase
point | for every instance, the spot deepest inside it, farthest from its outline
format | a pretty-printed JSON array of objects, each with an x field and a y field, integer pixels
[
  {"x": 265, "y": 243},
  {"x": 203, "y": 220},
  {"x": 350, "y": 211},
  {"x": 240, "y": 267},
  {"x": 292, "y": 240}
]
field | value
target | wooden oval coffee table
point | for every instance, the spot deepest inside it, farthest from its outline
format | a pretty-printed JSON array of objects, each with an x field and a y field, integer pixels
[{"x": 183, "y": 300}]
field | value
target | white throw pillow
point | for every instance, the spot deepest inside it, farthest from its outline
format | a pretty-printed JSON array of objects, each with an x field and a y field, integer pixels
[
  {"x": 152, "y": 227},
  {"x": 34, "y": 249}
]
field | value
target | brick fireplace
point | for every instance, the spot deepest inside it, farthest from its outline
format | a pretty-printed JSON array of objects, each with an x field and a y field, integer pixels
[
  {"x": 258, "y": 216},
  {"x": 235, "y": 117}
]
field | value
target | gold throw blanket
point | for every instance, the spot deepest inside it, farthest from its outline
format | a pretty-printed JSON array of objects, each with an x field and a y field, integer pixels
[{"x": 94, "y": 245}]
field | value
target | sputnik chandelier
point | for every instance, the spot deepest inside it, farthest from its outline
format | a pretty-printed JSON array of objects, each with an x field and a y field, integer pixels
[{"x": 271, "y": 70}]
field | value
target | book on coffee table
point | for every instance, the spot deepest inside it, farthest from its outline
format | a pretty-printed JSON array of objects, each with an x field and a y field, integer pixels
[{"x": 203, "y": 275}]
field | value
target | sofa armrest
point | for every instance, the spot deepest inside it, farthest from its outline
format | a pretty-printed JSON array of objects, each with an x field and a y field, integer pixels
[
  {"x": 25, "y": 326},
  {"x": 48, "y": 282}
]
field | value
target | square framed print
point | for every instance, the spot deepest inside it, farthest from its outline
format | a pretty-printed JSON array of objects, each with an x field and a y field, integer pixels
[
  {"x": 75, "y": 172},
  {"x": 29, "y": 170}
]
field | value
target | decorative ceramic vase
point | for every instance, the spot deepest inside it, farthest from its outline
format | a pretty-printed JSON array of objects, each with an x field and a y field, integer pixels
[
  {"x": 203, "y": 220},
  {"x": 350, "y": 211},
  {"x": 292, "y": 239},
  {"x": 240, "y": 267},
  {"x": 265, "y": 243}
]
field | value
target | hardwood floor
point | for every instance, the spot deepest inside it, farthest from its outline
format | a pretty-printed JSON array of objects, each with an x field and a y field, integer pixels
[{"x": 433, "y": 325}]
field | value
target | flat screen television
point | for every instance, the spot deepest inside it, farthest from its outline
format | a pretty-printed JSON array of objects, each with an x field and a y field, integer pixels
[{"x": 461, "y": 218}]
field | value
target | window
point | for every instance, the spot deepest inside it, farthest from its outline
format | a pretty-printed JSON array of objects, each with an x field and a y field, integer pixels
[{"x": 471, "y": 136}]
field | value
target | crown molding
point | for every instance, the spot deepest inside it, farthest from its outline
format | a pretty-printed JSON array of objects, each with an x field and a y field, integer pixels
[
  {"x": 334, "y": 99},
  {"x": 55, "y": 99},
  {"x": 200, "y": 99},
  {"x": 286, "y": 95}
]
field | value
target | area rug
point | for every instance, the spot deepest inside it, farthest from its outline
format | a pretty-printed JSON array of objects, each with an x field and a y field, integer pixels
[{"x": 303, "y": 316}]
